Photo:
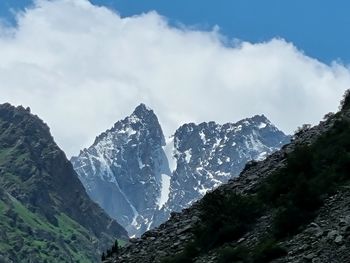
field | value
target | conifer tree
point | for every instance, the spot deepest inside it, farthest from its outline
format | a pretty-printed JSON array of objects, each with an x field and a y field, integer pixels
[{"x": 115, "y": 248}]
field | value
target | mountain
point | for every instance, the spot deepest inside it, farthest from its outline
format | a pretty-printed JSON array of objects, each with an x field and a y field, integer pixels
[
  {"x": 208, "y": 155},
  {"x": 46, "y": 215},
  {"x": 291, "y": 207},
  {"x": 122, "y": 170},
  {"x": 139, "y": 177}
]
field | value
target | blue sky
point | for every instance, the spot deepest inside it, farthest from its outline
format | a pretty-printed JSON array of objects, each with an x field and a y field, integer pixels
[{"x": 319, "y": 28}]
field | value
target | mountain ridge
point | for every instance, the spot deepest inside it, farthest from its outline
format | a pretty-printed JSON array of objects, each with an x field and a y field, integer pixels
[{"x": 134, "y": 153}]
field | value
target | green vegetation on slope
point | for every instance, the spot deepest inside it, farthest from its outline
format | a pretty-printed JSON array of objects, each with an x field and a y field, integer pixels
[
  {"x": 312, "y": 173},
  {"x": 224, "y": 218},
  {"x": 115, "y": 249},
  {"x": 24, "y": 234},
  {"x": 46, "y": 214}
]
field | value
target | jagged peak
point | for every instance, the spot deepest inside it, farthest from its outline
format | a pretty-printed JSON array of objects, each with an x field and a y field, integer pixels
[
  {"x": 18, "y": 114},
  {"x": 142, "y": 111},
  {"x": 261, "y": 118},
  {"x": 254, "y": 120},
  {"x": 9, "y": 107},
  {"x": 143, "y": 107},
  {"x": 141, "y": 118}
]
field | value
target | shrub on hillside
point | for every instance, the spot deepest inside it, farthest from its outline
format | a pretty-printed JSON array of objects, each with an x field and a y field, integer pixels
[
  {"x": 345, "y": 102},
  {"x": 311, "y": 173},
  {"x": 266, "y": 251},
  {"x": 237, "y": 254},
  {"x": 225, "y": 217}
]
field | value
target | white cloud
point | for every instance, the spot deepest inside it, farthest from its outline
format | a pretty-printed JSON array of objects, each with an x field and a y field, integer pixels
[{"x": 81, "y": 68}]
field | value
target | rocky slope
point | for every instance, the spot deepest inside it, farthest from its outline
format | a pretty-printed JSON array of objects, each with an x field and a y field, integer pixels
[
  {"x": 46, "y": 215},
  {"x": 139, "y": 177},
  {"x": 322, "y": 232}
]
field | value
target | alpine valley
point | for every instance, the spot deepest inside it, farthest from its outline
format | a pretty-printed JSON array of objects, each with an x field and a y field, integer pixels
[{"x": 138, "y": 176}]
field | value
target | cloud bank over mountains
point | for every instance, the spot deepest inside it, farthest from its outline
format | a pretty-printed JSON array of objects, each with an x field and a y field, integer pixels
[{"x": 82, "y": 67}]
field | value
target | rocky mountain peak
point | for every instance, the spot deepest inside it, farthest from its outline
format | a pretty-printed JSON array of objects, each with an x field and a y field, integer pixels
[
  {"x": 142, "y": 111},
  {"x": 209, "y": 154},
  {"x": 22, "y": 116},
  {"x": 139, "y": 178},
  {"x": 142, "y": 115},
  {"x": 123, "y": 170},
  {"x": 143, "y": 118},
  {"x": 141, "y": 125}
]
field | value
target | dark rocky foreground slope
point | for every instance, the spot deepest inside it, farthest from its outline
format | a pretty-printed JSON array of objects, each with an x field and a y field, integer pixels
[
  {"x": 291, "y": 207},
  {"x": 45, "y": 213}
]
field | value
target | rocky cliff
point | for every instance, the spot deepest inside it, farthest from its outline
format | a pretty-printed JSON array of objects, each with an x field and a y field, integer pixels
[
  {"x": 209, "y": 154},
  {"x": 124, "y": 170}
]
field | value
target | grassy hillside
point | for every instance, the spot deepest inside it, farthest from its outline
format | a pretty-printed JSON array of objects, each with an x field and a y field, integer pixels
[
  {"x": 25, "y": 234},
  {"x": 45, "y": 213}
]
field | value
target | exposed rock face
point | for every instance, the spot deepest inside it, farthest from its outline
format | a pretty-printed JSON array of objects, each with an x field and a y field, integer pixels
[
  {"x": 138, "y": 177},
  {"x": 124, "y": 169},
  {"x": 208, "y": 155},
  {"x": 42, "y": 200},
  {"x": 327, "y": 239}
]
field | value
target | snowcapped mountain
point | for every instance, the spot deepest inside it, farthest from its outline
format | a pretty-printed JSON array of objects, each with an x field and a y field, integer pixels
[
  {"x": 123, "y": 170},
  {"x": 208, "y": 155},
  {"x": 138, "y": 177}
]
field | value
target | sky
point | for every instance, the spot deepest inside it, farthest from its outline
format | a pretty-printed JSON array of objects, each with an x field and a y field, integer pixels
[
  {"x": 316, "y": 27},
  {"x": 82, "y": 66}
]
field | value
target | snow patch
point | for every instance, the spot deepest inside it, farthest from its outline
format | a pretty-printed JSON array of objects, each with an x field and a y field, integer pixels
[
  {"x": 203, "y": 190},
  {"x": 188, "y": 155},
  {"x": 217, "y": 143},
  {"x": 133, "y": 119},
  {"x": 165, "y": 190},
  {"x": 130, "y": 131},
  {"x": 141, "y": 165},
  {"x": 262, "y": 125},
  {"x": 169, "y": 150},
  {"x": 262, "y": 156},
  {"x": 255, "y": 144},
  {"x": 202, "y": 135}
]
